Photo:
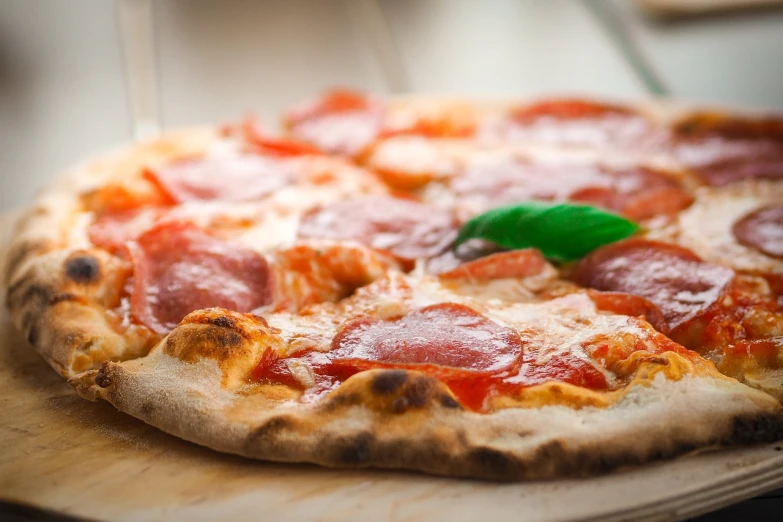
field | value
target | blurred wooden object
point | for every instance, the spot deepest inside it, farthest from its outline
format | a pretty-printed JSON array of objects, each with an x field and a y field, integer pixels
[{"x": 689, "y": 8}]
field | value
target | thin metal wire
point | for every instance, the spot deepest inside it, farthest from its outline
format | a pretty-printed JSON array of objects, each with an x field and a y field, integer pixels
[{"x": 608, "y": 18}]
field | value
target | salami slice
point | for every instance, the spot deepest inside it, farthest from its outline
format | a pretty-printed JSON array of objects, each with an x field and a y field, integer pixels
[
  {"x": 638, "y": 193},
  {"x": 178, "y": 268},
  {"x": 576, "y": 122},
  {"x": 448, "y": 335},
  {"x": 723, "y": 149},
  {"x": 407, "y": 229},
  {"x": 241, "y": 177},
  {"x": 762, "y": 229},
  {"x": 340, "y": 122},
  {"x": 514, "y": 264},
  {"x": 672, "y": 278},
  {"x": 112, "y": 231}
]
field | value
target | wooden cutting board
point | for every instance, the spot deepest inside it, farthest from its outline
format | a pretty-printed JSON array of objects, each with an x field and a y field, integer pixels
[{"x": 62, "y": 453}]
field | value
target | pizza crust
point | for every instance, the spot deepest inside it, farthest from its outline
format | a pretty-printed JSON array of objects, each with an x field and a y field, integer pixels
[
  {"x": 403, "y": 419},
  {"x": 59, "y": 293}
]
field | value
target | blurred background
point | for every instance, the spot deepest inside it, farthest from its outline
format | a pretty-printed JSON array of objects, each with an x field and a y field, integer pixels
[{"x": 65, "y": 66}]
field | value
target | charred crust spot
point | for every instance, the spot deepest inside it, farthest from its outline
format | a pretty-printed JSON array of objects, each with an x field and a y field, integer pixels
[
  {"x": 447, "y": 401},
  {"x": 32, "y": 334},
  {"x": 752, "y": 429},
  {"x": 338, "y": 400},
  {"x": 494, "y": 462},
  {"x": 272, "y": 427},
  {"x": 419, "y": 391},
  {"x": 227, "y": 322},
  {"x": 83, "y": 269},
  {"x": 229, "y": 339},
  {"x": 552, "y": 450},
  {"x": 28, "y": 320},
  {"x": 102, "y": 379},
  {"x": 224, "y": 321},
  {"x": 355, "y": 451},
  {"x": 399, "y": 405},
  {"x": 388, "y": 382},
  {"x": 416, "y": 393},
  {"x": 170, "y": 346}
]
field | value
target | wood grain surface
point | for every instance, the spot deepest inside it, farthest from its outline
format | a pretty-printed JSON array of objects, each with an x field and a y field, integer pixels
[{"x": 65, "y": 455}]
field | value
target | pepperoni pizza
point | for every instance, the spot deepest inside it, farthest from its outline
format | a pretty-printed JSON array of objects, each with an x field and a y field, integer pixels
[{"x": 351, "y": 293}]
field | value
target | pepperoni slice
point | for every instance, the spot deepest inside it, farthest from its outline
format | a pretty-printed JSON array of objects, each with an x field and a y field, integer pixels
[
  {"x": 577, "y": 122},
  {"x": 470, "y": 250},
  {"x": 470, "y": 353},
  {"x": 638, "y": 193},
  {"x": 514, "y": 264},
  {"x": 179, "y": 268},
  {"x": 725, "y": 149},
  {"x": 565, "y": 367},
  {"x": 762, "y": 229},
  {"x": 119, "y": 197},
  {"x": 567, "y": 109},
  {"x": 629, "y": 304},
  {"x": 251, "y": 132},
  {"x": 446, "y": 335},
  {"x": 672, "y": 278},
  {"x": 242, "y": 177},
  {"x": 340, "y": 122},
  {"x": 407, "y": 229},
  {"x": 112, "y": 231}
]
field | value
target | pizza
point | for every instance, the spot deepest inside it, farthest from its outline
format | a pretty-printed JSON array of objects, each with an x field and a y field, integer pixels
[{"x": 492, "y": 289}]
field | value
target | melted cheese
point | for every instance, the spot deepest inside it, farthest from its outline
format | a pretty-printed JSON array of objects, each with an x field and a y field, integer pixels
[
  {"x": 569, "y": 324},
  {"x": 706, "y": 227}
]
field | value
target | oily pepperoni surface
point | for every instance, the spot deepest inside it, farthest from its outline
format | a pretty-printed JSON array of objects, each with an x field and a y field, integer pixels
[
  {"x": 407, "y": 229},
  {"x": 470, "y": 353},
  {"x": 178, "y": 268},
  {"x": 447, "y": 335},
  {"x": 519, "y": 264},
  {"x": 762, "y": 229},
  {"x": 638, "y": 193},
  {"x": 564, "y": 367},
  {"x": 240, "y": 177},
  {"x": 340, "y": 122},
  {"x": 577, "y": 122},
  {"x": 112, "y": 231},
  {"x": 672, "y": 278},
  {"x": 629, "y": 304},
  {"x": 724, "y": 150}
]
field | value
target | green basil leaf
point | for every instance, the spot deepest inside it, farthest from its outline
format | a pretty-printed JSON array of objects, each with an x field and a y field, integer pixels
[{"x": 562, "y": 231}]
